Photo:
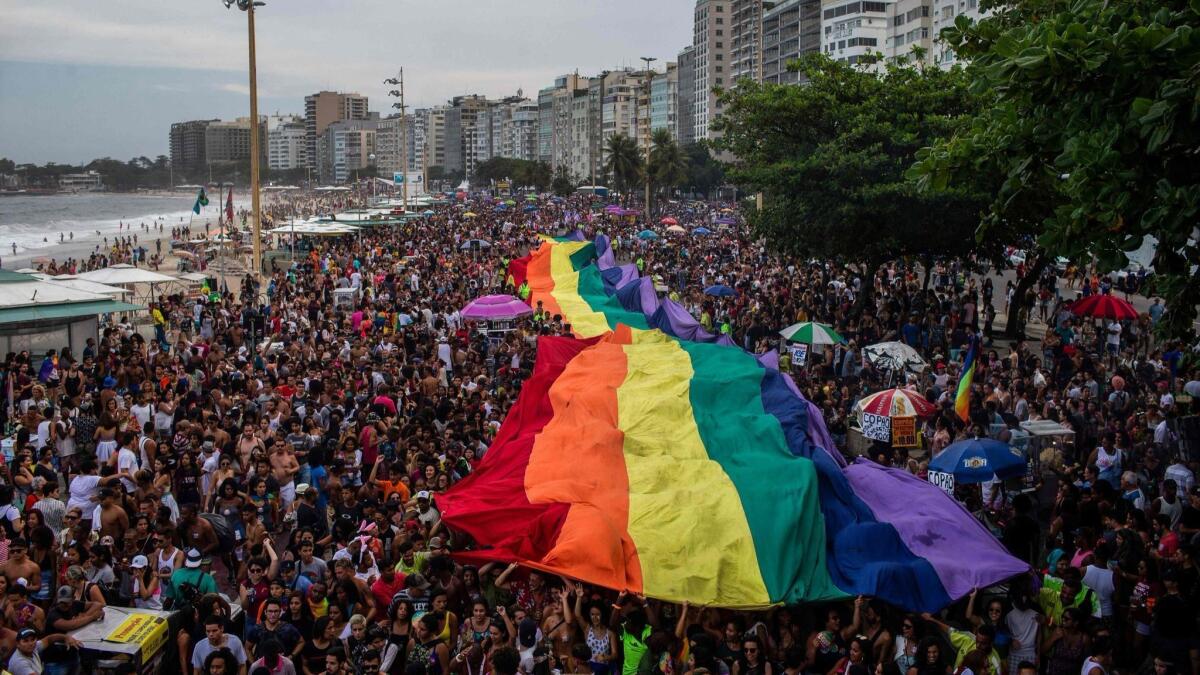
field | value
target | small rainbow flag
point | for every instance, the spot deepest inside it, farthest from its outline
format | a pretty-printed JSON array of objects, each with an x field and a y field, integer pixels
[{"x": 962, "y": 399}]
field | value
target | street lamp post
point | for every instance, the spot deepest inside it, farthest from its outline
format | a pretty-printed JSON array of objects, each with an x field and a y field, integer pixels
[
  {"x": 248, "y": 6},
  {"x": 401, "y": 135},
  {"x": 649, "y": 76},
  {"x": 371, "y": 166}
]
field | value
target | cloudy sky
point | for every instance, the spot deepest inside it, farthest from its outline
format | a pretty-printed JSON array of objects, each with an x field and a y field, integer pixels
[{"x": 81, "y": 79}]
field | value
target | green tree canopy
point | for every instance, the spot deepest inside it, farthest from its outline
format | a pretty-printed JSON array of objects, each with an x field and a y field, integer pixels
[
  {"x": 1090, "y": 114},
  {"x": 830, "y": 158},
  {"x": 623, "y": 161}
]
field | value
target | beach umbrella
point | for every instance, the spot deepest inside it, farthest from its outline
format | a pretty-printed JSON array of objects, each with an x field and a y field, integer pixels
[
  {"x": 647, "y": 234},
  {"x": 669, "y": 221},
  {"x": 675, "y": 229},
  {"x": 895, "y": 403},
  {"x": 811, "y": 333},
  {"x": 509, "y": 202},
  {"x": 895, "y": 356},
  {"x": 475, "y": 243},
  {"x": 1104, "y": 307},
  {"x": 720, "y": 290},
  {"x": 978, "y": 460},
  {"x": 1192, "y": 388},
  {"x": 530, "y": 208},
  {"x": 494, "y": 307},
  {"x": 427, "y": 212},
  {"x": 726, "y": 210},
  {"x": 531, "y": 198},
  {"x": 702, "y": 231},
  {"x": 470, "y": 214},
  {"x": 724, "y": 221}
]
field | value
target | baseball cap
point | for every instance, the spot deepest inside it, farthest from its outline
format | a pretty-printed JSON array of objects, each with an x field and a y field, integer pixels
[
  {"x": 139, "y": 562},
  {"x": 423, "y": 494},
  {"x": 302, "y": 488},
  {"x": 415, "y": 581},
  {"x": 65, "y": 594},
  {"x": 436, "y": 543},
  {"x": 193, "y": 558}
]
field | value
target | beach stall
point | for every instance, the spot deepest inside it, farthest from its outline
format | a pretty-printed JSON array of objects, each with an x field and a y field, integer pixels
[
  {"x": 38, "y": 315},
  {"x": 128, "y": 276},
  {"x": 125, "y": 635}
]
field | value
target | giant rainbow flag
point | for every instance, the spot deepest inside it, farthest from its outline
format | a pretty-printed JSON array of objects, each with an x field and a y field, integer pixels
[{"x": 649, "y": 455}]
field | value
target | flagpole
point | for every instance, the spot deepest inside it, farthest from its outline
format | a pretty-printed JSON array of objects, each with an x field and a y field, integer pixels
[{"x": 255, "y": 216}]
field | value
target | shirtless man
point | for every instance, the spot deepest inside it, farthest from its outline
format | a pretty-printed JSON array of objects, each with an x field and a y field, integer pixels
[
  {"x": 284, "y": 468},
  {"x": 19, "y": 566},
  {"x": 198, "y": 533},
  {"x": 110, "y": 518},
  {"x": 246, "y": 444}
]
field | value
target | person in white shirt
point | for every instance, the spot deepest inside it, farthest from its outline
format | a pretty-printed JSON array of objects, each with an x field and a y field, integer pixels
[
  {"x": 1178, "y": 472},
  {"x": 127, "y": 462},
  {"x": 1098, "y": 577}
]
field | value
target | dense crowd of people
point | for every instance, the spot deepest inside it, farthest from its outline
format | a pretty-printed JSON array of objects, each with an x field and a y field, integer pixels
[{"x": 267, "y": 467}]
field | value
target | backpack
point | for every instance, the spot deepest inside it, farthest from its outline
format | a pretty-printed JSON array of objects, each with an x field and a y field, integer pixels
[{"x": 225, "y": 538}]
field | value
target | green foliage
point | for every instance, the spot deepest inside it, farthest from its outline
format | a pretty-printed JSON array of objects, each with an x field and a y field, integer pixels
[
  {"x": 830, "y": 158},
  {"x": 521, "y": 172},
  {"x": 563, "y": 184},
  {"x": 1089, "y": 131},
  {"x": 623, "y": 162},
  {"x": 704, "y": 174},
  {"x": 668, "y": 166}
]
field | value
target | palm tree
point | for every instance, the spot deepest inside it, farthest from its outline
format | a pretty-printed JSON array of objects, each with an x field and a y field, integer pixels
[
  {"x": 668, "y": 164},
  {"x": 624, "y": 161}
]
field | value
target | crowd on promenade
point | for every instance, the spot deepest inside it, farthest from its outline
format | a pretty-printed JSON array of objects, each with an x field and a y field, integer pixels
[{"x": 272, "y": 452}]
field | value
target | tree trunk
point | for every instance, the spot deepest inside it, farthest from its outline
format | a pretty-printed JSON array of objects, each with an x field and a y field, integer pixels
[{"x": 1014, "y": 329}]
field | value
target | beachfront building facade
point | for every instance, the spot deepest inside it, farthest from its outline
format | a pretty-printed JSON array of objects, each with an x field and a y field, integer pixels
[
  {"x": 685, "y": 96},
  {"x": 287, "y": 147},
  {"x": 664, "y": 101},
  {"x": 326, "y": 107},
  {"x": 852, "y": 30},
  {"x": 711, "y": 48},
  {"x": 345, "y": 151},
  {"x": 791, "y": 29},
  {"x": 227, "y": 141},
  {"x": 187, "y": 143}
]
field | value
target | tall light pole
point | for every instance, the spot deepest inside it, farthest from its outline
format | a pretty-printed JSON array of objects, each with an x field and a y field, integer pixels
[
  {"x": 402, "y": 135},
  {"x": 649, "y": 76},
  {"x": 248, "y": 6}
]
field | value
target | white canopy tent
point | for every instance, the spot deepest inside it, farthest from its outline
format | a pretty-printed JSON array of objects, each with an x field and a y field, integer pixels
[
  {"x": 73, "y": 281},
  {"x": 128, "y": 276}
]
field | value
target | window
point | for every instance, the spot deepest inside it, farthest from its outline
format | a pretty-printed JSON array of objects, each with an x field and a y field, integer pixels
[
  {"x": 898, "y": 21},
  {"x": 720, "y": 69},
  {"x": 841, "y": 44},
  {"x": 947, "y": 13},
  {"x": 720, "y": 32},
  {"x": 828, "y": 30},
  {"x": 862, "y": 42},
  {"x": 720, "y": 21},
  {"x": 899, "y": 40},
  {"x": 874, "y": 7},
  {"x": 720, "y": 45},
  {"x": 972, "y": 4},
  {"x": 720, "y": 57}
]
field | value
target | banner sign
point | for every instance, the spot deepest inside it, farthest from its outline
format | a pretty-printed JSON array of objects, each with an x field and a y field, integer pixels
[
  {"x": 943, "y": 480},
  {"x": 877, "y": 427},
  {"x": 799, "y": 354},
  {"x": 904, "y": 432}
]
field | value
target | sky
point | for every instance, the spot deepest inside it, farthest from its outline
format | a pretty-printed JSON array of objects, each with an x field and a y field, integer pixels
[{"x": 82, "y": 79}]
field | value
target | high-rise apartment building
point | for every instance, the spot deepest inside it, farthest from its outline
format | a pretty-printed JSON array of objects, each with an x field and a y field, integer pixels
[
  {"x": 911, "y": 27},
  {"x": 326, "y": 107},
  {"x": 791, "y": 29},
  {"x": 685, "y": 120},
  {"x": 287, "y": 144},
  {"x": 664, "y": 101},
  {"x": 555, "y": 115},
  {"x": 389, "y": 151},
  {"x": 462, "y": 133},
  {"x": 711, "y": 44},
  {"x": 229, "y": 141},
  {"x": 345, "y": 149},
  {"x": 745, "y": 38},
  {"x": 434, "y": 123},
  {"x": 188, "y": 146},
  {"x": 853, "y": 29}
]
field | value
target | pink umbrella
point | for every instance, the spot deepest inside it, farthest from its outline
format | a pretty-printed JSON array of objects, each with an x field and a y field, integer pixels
[
  {"x": 495, "y": 307},
  {"x": 669, "y": 221}
]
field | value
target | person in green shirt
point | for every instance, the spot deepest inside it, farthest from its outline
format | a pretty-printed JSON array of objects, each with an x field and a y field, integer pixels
[
  {"x": 1059, "y": 593},
  {"x": 965, "y": 642},
  {"x": 202, "y": 582}
]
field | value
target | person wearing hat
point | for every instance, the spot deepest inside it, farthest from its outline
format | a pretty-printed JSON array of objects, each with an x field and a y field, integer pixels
[
  {"x": 198, "y": 581},
  {"x": 65, "y": 616},
  {"x": 27, "y": 659}
]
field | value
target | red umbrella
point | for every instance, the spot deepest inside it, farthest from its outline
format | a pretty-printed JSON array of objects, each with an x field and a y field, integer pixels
[
  {"x": 896, "y": 403},
  {"x": 669, "y": 221},
  {"x": 1104, "y": 307}
]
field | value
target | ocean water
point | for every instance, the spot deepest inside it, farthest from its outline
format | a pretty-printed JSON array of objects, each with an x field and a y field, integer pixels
[{"x": 34, "y": 223}]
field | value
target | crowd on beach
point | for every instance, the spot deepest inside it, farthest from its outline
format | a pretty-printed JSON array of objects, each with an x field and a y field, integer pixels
[{"x": 268, "y": 464}]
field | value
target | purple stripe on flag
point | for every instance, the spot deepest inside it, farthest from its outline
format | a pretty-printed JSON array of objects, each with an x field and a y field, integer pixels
[{"x": 935, "y": 527}]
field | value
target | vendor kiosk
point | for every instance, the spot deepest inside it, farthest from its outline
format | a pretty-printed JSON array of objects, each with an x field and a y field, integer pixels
[{"x": 141, "y": 637}]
